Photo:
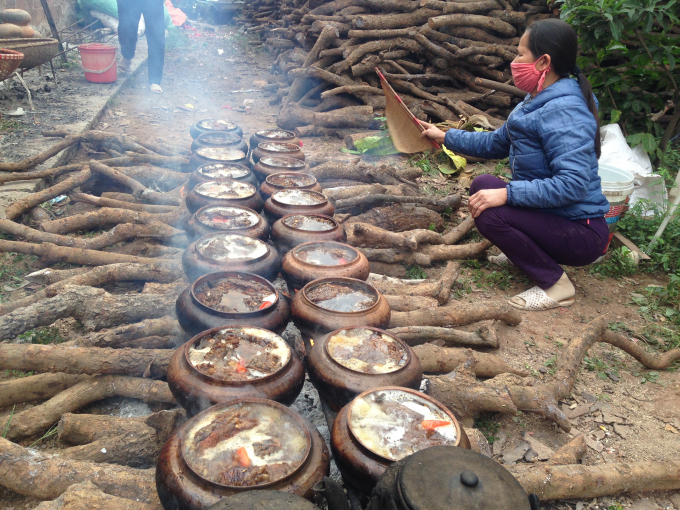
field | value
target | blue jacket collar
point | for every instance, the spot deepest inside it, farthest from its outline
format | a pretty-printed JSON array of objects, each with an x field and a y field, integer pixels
[{"x": 563, "y": 87}]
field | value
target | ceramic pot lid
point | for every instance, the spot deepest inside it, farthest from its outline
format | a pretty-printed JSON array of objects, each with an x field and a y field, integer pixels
[
  {"x": 227, "y": 217},
  {"x": 367, "y": 351},
  {"x": 231, "y": 248},
  {"x": 464, "y": 480},
  {"x": 309, "y": 223},
  {"x": 325, "y": 254},
  {"x": 223, "y": 171},
  {"x": 217, "y": 125},
  {"x": 220, "y": 153},
  {"x": 282, "y": 162}
]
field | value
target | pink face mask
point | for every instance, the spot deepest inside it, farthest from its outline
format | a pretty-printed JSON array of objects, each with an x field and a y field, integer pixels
[{"x": 527, "y": 77}]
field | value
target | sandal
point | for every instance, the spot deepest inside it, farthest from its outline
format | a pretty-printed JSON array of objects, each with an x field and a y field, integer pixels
[
  {"x": 499, "y": 260},
  {"x": 536, "y": 300},
  {"x": 156, "y": 89}
]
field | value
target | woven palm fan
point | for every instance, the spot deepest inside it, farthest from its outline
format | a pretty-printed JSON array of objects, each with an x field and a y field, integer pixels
[{"x": 404, "y": 127}]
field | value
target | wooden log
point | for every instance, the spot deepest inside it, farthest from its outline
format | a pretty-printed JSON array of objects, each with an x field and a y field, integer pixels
[
  {"x": 417, "y": 335},
  {"x": 450, "y": 275},
  {"x": 489, "y": 49},
  {"x": 35, "y": 388},
  {"x": 478, "y": 34},
  {"x": 427, "y": 254},
  {"x": 24, "y": 204},
  {"x": 571, "y": 453},
  {"x": 395, "y": 270},
  {"x": 340, "y": 121},
  {"x": 473, "y": 20},
  {"x": 387, "y": 21},
  {"x": 442, "y": 360},
  {"x": 351, "y": 191},
  {"x": 512, "y": 17},
  {"x": 471, "y": 111},
  {"x": 49, "y": 173},
  {"x": 366, "y": 235},
  {"x": 106, "y": 216},
  {"x": 153, "y": 176},
  {"x": 138, "y": 189},
  {"x": 48, "y": 276},
  {"x": 122, "y": 336},
  {"x": 489, "y": 84},
  {"x": 351, "y": 89},
  {"x": 42, "y": 476},
  {"x": 328, "y": 34},
  {"x": 408, "y": 304},
  {"x": 369, "y": 201},
  {"x": 332, "y": 170},
  {"x": 482, "y": 6},
  {"x": 311, "y": 131},
  {"x": 86, "y": 496},
  {"x": 399, "y": 218},
  {"x": 119, "y": 204},
  {"x": 457, "y": 315}
]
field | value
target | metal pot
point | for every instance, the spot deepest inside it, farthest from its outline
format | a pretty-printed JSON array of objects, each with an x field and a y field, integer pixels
[
  {"x": 295, "y": 229},
  {"x": 212, "y": 126},
  {"x": 322, "y": 259},
  {"x": 225, "y": 251},
  {"x": 268, "y": 166},
  {"x": 288, "y": 180},
  {"x": 224, "y": 193},
  {"x": 273, "y": 135},
  {"x": 195, "y": 316},
  {"x": 228, "y": 219},
  {"x": 361, "y": 445},
  {"x": 220, "y": 139},
  {"x": 208, "y": 155},
  {"x": 466, "y": 479},
  {"x": 232, "y": 362},
  {"x": 193, "y": 473},
  {"x": 350, "y": 361},
  {"x": 221, "y": 172},
  {"x": 328, "y": 304},
  {"x": 278, "y": 150},
  {"x": 293, "y": 201}
]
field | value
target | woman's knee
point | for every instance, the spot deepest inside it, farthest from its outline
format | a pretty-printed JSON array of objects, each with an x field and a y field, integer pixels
[{"x": 486, "y": 181}]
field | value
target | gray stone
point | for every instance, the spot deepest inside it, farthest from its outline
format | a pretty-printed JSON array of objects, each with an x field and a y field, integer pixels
[
  {"x": 543, "y": 452},
  {"x": 645, "y": 504},
  {"x": 610, "y": 418},
  {"x": 499, "y": 442},
  {"x": 623, "y": 431},
  {"x": 595, "y": 445},
  {"x": 675, "y": 500},
  {"x": 579, "y": 410},
  {"x": 530, "y": 455},
  {"x": 517, "y": 453}
]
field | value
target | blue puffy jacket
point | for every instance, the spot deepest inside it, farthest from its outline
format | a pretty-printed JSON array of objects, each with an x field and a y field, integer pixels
[{"x": 550, "y": 142}]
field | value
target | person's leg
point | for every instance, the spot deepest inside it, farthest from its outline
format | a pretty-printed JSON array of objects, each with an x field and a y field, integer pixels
[
  {"x": 129, "y": 12},
  {"x": 154, "y": 17}
]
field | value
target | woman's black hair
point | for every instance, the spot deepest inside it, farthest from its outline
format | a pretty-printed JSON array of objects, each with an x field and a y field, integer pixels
[{"x": 556, "y": 38}]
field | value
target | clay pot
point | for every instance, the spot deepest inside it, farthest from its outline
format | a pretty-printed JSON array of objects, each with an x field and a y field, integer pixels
[
  {"x": 225, "y": 251},
  {"x": 196, "y": 389},
  {"x": 186, "y": 481},
  {"x": 212, "y": 126},
  {"x": 220, "y": 139},
  {"x": 194, "y": 316},
  {"x": 208, "y": 155},
  {"x": 269, "y": 166},
  {"x": 10, "y": 31},
  {"x": 293, "y": 201},
  {"x": 322, "y": 259},
  {"x": 288, "y": 180},
  {"x": 347, "y": 362},
  {"x": 328, "y": 304},
  {"x": 295, "y": 229},
  {"x": 15, "y": 17},
  {"x": 228, "y": 219},
  {"x": 27, "y": 32},
  {"x": 224, "y": 193},
  {"x": 359, "y": 465},
  {"x": 273, "y": 135},
  {"x": 221, "y": 172},
  {"x": 278, "y": 150}
]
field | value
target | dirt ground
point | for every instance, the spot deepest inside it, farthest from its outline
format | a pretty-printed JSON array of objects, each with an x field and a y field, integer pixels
[{"x": 634, "y": 414}]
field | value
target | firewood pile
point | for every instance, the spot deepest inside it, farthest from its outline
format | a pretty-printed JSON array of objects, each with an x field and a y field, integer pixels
[
  {"x": 447, "y": 60},
  {"x": 135, "y": 198}
]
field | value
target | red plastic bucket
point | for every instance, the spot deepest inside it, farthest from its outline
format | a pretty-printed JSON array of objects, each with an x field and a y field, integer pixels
[{"x": 99, "y": 62}]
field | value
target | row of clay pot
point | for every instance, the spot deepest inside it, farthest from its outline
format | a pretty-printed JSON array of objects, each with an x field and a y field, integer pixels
[{"x": 15, "y": 24}]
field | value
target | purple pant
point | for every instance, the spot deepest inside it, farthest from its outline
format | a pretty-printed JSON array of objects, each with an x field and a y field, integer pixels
[{"x": 538, "y": 242}]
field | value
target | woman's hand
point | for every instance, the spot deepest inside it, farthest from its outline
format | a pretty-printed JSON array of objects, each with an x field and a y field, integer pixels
[
  {"x": 432, "y": 132},
  {"x": 486, "y": 199}
]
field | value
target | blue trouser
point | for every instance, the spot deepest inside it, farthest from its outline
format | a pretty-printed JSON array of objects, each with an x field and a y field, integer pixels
[
  {"x": 129, "y": 13},
  {"x": 538, "y": 242}
]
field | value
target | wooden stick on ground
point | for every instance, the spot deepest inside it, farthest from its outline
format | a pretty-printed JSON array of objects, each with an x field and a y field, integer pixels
[
  {"x": 86, "y": 496},
  {"x": 35, "y": 388},
  {"x": 440, "y": 360},
  {"x": 108, "y": 216},
  {"x": 122, "y": 335},
  {"x": 458, "y": 315},
  {"x": 138, "y": 189},
  {"x": 417, "y": 335},
  {"x": 118, "y": 204}
]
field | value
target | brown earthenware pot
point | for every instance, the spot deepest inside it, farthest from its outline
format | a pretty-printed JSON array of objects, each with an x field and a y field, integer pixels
[
  {"x": 220, "y": 139},
  {"x": 194, "y": 316},
  {"x": 273, "y": 135},
  {"x": 268, "y": 166},
  {"x": 278, "y": 150},
  {"x": 224, "y": 193},
  {"x": 322, "y": 259},
  {"x": 181, "y": 487},
  {"x": 293, "y": 201},
  {"x": 229, "y": 219},
  {"x": 213, "y": 126},
  {"x": 295, "y": 229},
  {"x": 288, "y": 180},
  {"x": 221, "y": 172},
  {"x": 347, "y": 362},
  {"x": 199, "y": 385},
  {"x": 327, "y": 304},
  {"x": 360, "y": 466},
  {"x": 209, "y": 155},
  {"x": 226, "y": 251}
]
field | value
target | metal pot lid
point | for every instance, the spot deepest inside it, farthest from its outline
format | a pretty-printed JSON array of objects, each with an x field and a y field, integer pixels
[
  {"x": 227, "y": 217},
  {"x": 264, "y": 500},
  {"x": 221, "y": 153},
  {"x": 223, "y": 171},
  {"x": 299, "y": 197},
  {"x": 279, "y": 147},
  {"x": 309, "y": 223},
  {"x": 367, "y": 351},
  {"x": 224, "y": 247},
  {"x": 282, "y": 162},
  {"x": 291, "y": 180},
  {"x": 395, "y": 422},
  {"x": 219, "y": 137},
  {"x": 247, "y": 443},
  {"x": 326, "y": 253},
  {"x": 238, "y": 353},
  {"x": 225, "y": 190},
  {"x": 217, "y": 125},
  {"x": 341, "y": 296},
  {"x": 278, "y": 134},
  {"x": 234, "y": 293},
  {"x": 463, "y": 479}
]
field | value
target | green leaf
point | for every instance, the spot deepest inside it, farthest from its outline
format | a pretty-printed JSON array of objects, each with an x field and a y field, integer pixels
[
  {"x": 373, "y": 146},
  {"x": 447, "y": 169},
  {"x": 459, "y": 162},
  {"x": 616, "y": 116}
]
